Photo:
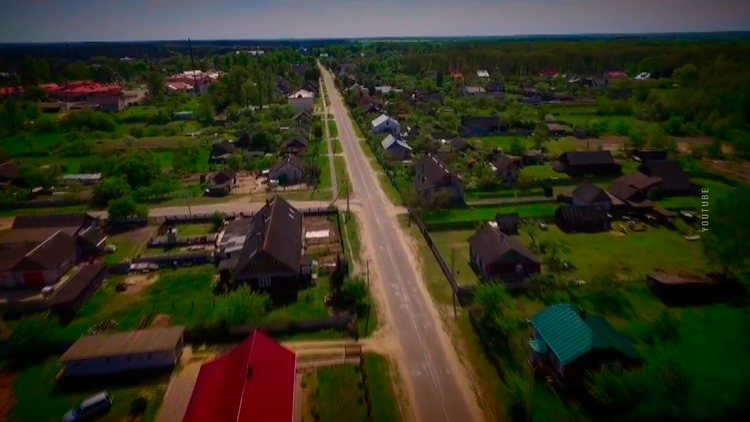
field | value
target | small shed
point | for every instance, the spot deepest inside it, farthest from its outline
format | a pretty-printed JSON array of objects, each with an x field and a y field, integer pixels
[
  {"x": 680, "y": 288},
  {"x": 124, "y": 352}
]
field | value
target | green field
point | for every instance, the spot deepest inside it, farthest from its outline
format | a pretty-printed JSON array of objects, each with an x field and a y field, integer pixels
[
  {"x": 336, "y": 146},
  {"x": 342, "y": 177},
  {"x": 380, "y": 379},
  {"x": 195, "y": 229},
  {"x": 488, "y": 213},
  {"x": 581, "y": 116},
  {"x": 553, "y": 146},
  {"x": 338, "y": 394},
  {"x": 454, "y": 248},
  {"x": 17, "y": 147},
  {"x": 541, "y": 172},
  {"x": 333, "y": 131},
  {"x": 39, "y": 398},
  {"x": 324, "y": 182}
]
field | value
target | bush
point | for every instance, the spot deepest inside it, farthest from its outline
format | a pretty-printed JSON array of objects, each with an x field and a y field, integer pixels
[
  {"x": 34, "y": 337},
  {"x": 138, "y": 405}
]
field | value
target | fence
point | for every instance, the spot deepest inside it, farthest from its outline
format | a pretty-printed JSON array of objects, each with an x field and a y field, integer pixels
[
  {"x": 182, "y": 241},
  {"x": 205, "y": 217}
]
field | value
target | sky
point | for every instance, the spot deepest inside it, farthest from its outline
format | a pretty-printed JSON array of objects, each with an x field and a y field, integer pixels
[{"x": 144, "y": 20}]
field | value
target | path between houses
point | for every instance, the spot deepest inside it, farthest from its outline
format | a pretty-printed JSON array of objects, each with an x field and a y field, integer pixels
[{"x": 329, "y": 145}]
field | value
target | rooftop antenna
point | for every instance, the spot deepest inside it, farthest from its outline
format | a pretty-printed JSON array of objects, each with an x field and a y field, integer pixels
[{"x": 192, "y": 64}]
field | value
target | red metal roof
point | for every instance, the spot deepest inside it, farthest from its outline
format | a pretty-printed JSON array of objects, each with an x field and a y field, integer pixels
[
  {"x": 51, "y": 87},
  {"x": 550, "y": 72},
  {"x": 225, "y": 393},
  {"x": 10, "y": 90}
]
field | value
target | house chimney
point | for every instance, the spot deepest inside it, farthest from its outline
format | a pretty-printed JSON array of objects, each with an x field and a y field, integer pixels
[{"x": 249, "y": 372}]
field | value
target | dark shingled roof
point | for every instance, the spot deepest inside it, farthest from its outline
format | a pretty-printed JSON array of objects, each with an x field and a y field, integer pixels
[
  {"x": 583, "y": 212},
  {"x": 52, "y": 220},
  {"x": 276, "y": 230},
  {"x": 459, "y": 144},
  {"x": 77, "y": 284},
  {"x": 9, "y": 170},
  {"x": 48, "y": 255},
  {"x": 291, "y": 159},
  {"x": 430, "y": 173},
  {"x": 672, "y": 176},
  {"x": 126, "y": 343},
  {"x": 588, "y": 193},
  {"x": 491, "y": 245},
  {"x": 505, "y": 219},
  {"x": 222, "y": 148},
  {"x": 576, "y": 158},
  {"x": 225, "y": 176}
]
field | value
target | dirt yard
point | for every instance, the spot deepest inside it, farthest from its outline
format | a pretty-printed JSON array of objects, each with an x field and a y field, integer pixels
[
  {"x": 137, "y": 282},
  {"x": 325, "y": 249},
  {"x": 247, "y": 183},
  {"x": 614, "y": 143},
  {"x": 731, "y": 168}
]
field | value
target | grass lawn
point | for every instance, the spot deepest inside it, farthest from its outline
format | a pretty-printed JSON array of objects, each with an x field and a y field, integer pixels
[
  {"x": 488, "y": 213},
  {"x": 455, "y": 242},
  {"x": 553, "y": 146},
  {"x": 324, "y": 183},
  {"x": 195, "y": 229},
  {"x": 338, "y": 394},
  {"x": 310, "y": 304},
  {"x": 432, "y": 275},
  {"x": 342, "y": 178},
  {"x": 384, "y": 399},
  {"x": 541, "y": 172},
  {"x": 357, "y": 130},
  {"x": 333, "y": 131},
  {"x": 17, "y": 147},
  {"x": 336, "y": 146},
  {"x": 351, "y": 235},
  {"x": 580, "y": 116},
  {"x": 390, "y": 191},
  {"x": 70, "y": 165},
  {"x": 39, "y": 398},
  {"x": 594, "y": 254},
  {"x": 38, "y": 211}
]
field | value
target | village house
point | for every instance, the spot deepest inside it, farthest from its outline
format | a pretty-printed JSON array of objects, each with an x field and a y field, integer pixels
[
  {"x": 302, "y": 100},
  {"x": 395, "y": 148},
  {"x": 649, "y": 154},
  {"x": 588, "y": 194},
  {"x": 460, "y": 145},
  {"x": 295, "y": 143},
  {"x": 470, "y": 91},
  {"x": 567, "y": 343},
  {"x": 288, "y": 171},
  {"x": 221, "y": 151},
  {"x": 223, "y": 182},
  {"x": 632, "y": 192},
  {"x": 549, "y": 72},
  {"x": 493, "y": 86},
  {"x": 532, "y": 157},
  {"x": 89, "y": 93},
  {"x": 10, "y": 173},
  {"x": 483, "y": 74},
  {"x": 385, "y": 124},
  {"x": 433, "y": 178},
  {"x": 505, "y": 169},
  {"x": 674, "y": 180},
  {"x": 190, "y": 79},
  {"x": 508, "y": 223},
  {"x": 480, "y": 125},
  {"x": 496, "y": 256},
  {"x": 265, "y": 252},
  {"x": 556, "y": 130},
  {"x": 580, "y": 163},
  {"x": 581, "y": 219},
  {"x": 255, "y": 381},
  {"x": 107, "y": 354},
  {"x": 38, "y": 250},
  {"x": 615, "y": 74}
]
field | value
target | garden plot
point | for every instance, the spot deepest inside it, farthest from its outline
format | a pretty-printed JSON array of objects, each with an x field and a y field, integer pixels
[
  {"x": 322, "y": 240},
  {"x": 247, "y": 183}
]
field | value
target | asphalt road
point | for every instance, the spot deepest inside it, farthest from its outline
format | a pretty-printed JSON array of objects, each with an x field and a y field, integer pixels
[{"x": 437, "y": 394}]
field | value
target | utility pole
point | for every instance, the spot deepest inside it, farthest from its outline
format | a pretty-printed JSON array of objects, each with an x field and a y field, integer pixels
[
  {"x": 455, "y": 313},
  {"x": 187, "y": 200},
  {"x": 367, "y": 273},
  {"x": 192, "y": 64}
]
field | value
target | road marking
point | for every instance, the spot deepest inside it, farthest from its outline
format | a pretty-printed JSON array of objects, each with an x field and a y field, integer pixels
[{"x": 358, "y": 158}]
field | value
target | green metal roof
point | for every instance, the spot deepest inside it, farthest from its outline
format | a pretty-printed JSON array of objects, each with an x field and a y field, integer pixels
[{"x": 569, "y": 336}]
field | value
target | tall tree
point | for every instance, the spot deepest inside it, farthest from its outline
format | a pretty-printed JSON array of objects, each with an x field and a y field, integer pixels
[
  {"x": 725, "y": 228},
  {"x": 11, "y": 116}
]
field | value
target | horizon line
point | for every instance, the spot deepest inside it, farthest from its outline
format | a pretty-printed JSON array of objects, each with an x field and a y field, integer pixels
[{"x": 403, "y": 37}]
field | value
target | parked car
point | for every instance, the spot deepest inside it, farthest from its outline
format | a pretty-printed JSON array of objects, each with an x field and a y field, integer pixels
[{"x": 94, "y": 406}]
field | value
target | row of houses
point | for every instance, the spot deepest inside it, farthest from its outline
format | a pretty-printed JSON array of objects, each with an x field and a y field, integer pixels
[{"x": 78, "y": 94}]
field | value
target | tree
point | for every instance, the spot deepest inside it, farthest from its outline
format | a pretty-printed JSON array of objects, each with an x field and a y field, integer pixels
[
  {"x": 337, "y": 277},
  {"x": 660, "y": 140},
  {"x": 205, "y": 111},
  {"x": 40, "y": 177},
  {"x": 622, "y": 128},
  {"x": 637, "y": 139},
  {"x": 243, "y": 307},
  {"x": 11, "y": 117},
  {"x": 156, "y": 84},
  {"x": 724, "y": 236},
  {"x": 217, "y": 221},
  {"x": 713, "y": 149},
  {"x": 521, "y": 388},
  {"x": 556, "y": 247},
  {"x": 686, "y": 75},
  {"x": 186, "y": 159},
  {"x": 494, "y": 308},
  {"x": 674, "y": 126},
  {"x": 741, "y": 144},
  {"x": 139, "y": 167},
  {"x": 516, "y": 147},
  {"x": 111, "y": 188},
  {"x": 32, "y": 111},
  {"x": 34, "y": 336},
  {"x": 439, "y": 79},
  {"x": 541, "y": 135},
  {"x": 531, "y": 227},
  {"x": 354, "y": 296},
  {"x": 666, "y": 328},
  {"x": 121, "y": 208},
  {"x": 312, "y": 73}
]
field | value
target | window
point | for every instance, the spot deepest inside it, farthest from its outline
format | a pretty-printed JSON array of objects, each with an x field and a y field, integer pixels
[
  {"x": 611, "y": 365},
  {"x": 519, "y": 268},
  {"x": 264, "y": 282}
]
